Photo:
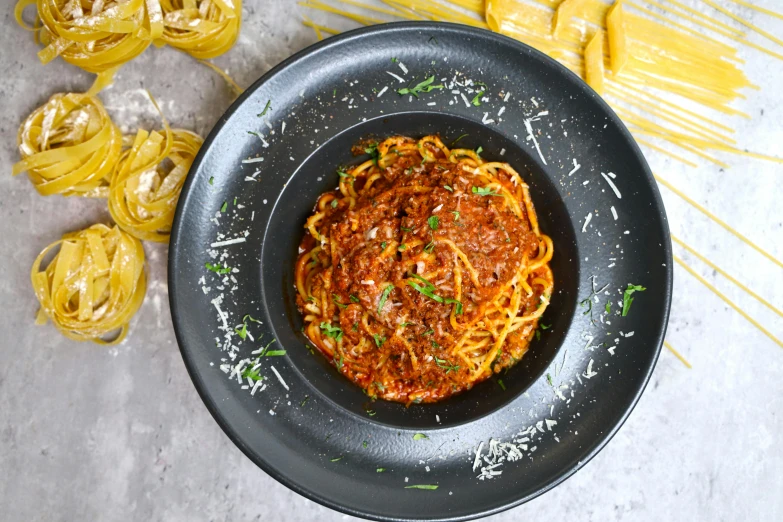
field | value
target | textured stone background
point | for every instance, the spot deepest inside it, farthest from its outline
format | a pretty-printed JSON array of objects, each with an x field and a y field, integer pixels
[{"x": 89, "y": 433}]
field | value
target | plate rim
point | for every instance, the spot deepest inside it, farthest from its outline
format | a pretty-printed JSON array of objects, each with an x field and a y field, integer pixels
[{"x": 336, "y": 40}]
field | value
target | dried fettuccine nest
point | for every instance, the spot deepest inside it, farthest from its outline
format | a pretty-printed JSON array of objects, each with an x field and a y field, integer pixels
[
  {"x": 94, "y": 284},
  {"x": 148, "y": 179},
  {"x": 202, "y": 28},
  {"x": 69, "y": 146}
]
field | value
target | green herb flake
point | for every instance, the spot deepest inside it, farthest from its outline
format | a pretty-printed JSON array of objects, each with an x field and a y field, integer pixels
[
  {"x": 307, "y": 398},
  {"x": 479, "y": 150},
  {"x": 476, "y": 101},
  {"x": 446, "y": 365},
  {"x": 251, "y": 374},
  {"x": 384, "y": 297},
  {"x": 425, "y": 86},
  {"x": 364, "y": 444},
  {"x": 456, "y": 214},
  {"x": 337, "y": 459},
  {"x": 608, "y": 307},
  {"x": 336, "y": 300},
  {"x": 353, "y": 298},
  {"x": 401, "y": 248},
  {"x": 335, "y": 203},
  {"x": 406, "y": 229},
  {"x": 217, "y": 268},
  {"x": 501, "y": 384},
  {"x": 549, "y": 379},
  {"x": 274, "y": 353},
  {"x": 484, "y": 191},
  {"x": 448, "y": 188},
  {"x": 224, "y": 207},
  {"x": 334, "y": 332},
  {"x": 545, "y": 326},
  {"x": 372, "y": 150},
  {"x": 379, "y": 340},
  {"x": 371, "y": 413},
  {"x": 394, "y": 60},
  {"x": 455, "y": 141},
  {"x": 538, "y": 335},
  {"x": 266, "y": 108},
  {"x": 429, "y": 247},
  {"x": 433, "y": 222},
  {"x": 429, "y": 332},
  {"x": 422, "y": 486},
  {"x": 212, "y": 180},
  {"x": 627, "y": 299},
  {"x": 380, "y": 470},
  {"x": 420, "y": 436},
  {"x": 383, "y": 245},
  {"x": 345, "y": 176}
]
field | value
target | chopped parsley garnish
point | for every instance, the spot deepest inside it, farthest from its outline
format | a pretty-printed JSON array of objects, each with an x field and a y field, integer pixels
[
  {"x": 379, "y": 340},
  {"x": 434, "y": 344},
  {"x": 425, "y": 86},
  {"x": 353, "y": 298},
  {"x": 235, "y": 201},
  {"x": 274, "y": 353},
  {"x": 501, "y": 384},
  {"x": 446, "y": 365},
  {"x": 406, "y": 229},
  {"x": 484, "y": 191},
  {"x": 429, "y": 247},
  {"x": 335, "y": 300},
  {"x": 380, "y": 470},
  {"x": 224, "y": 206},
  {"x": 266, "y": 108},
  {"x": 383, "y": 245},
  {"x": 627, "y": 299},
  {"x": 420, "y": 436},
  {"x": 364, "y": 443},
  {"x": 394, "y": 60},
  {"x": 608, "y": 307},
  {"x": 217, "y": 268},
  {"x": 401, "y": 247},
  {"x": 448, "y": 188},
  {"x": 345, "y": 175},
  {"x": 456, "y": 214},
  {"x": 429, "y": 290},
  {"x": 242, "y": 330},
  {"x": 371, "y": 413},
  {"x": 307, "y": 398},
  {"x": 372, "y": 150},
  {"x": 455, "y": 141},
  {"x": 433, "y": 222},
  {"x": 384, "y": 297},
  {"x": 251, "y": 374},
  {"x": 403, "y": 325},
  {"x": 334, "y": 92},
  {"x": 335, "y": 332},
  {"x": 538, "y": 335},
  {"x": 337, "y": 459},
  {"x": 477, "y": 99},
  {"x": 545, "y": 326},
  {"x": 479, "y": 150},
  {"x": 429, "y": 332},
  {"x": 338, "y": 363},
  {"x": 588, "y": 301},
  {"x": 335, "y": 203},
  {"x": 549, "y": 379},
  {"x": 212, "y": 180},
  {"x": 422, "y": 486}
]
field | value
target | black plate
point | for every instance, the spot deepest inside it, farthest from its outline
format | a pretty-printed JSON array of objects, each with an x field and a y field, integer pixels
[{"x": 326, "y": 440}]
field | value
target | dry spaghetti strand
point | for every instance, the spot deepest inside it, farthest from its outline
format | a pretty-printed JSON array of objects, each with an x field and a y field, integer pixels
[{"x": 94, "y": 284}]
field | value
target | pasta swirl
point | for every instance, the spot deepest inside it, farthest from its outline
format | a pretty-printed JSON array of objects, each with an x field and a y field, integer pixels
[
  {"x": 203, "y": 29},
  {"x": 94, "y": 284},
  {"x": 69, "y": 146},
  {"x": 144, "y": 189}
]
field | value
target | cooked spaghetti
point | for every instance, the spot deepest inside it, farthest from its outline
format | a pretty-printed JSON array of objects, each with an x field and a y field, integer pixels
[
  {"x": 425, "y": 273},
  {"x": 94, "y": 284}
]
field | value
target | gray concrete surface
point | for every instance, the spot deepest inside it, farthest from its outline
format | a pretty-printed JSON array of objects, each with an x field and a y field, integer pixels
[{"x": 113, "y": 434}]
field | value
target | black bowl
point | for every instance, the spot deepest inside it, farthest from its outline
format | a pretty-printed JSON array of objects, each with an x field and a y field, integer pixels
[{"x": 311, "y": 428}]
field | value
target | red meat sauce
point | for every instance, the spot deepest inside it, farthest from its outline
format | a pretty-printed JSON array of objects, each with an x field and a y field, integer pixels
[{"x": 377, "y": 244}]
